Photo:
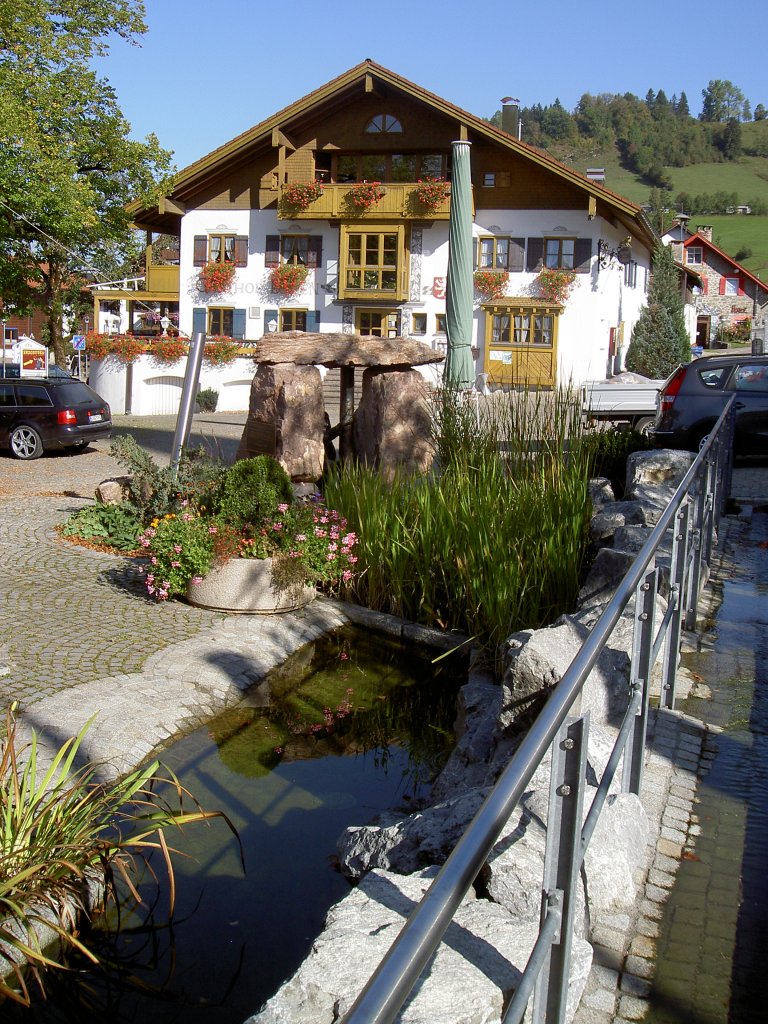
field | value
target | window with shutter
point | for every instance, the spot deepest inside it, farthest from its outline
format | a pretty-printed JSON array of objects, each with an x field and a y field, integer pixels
[
  {"x": 238, "y": 324},
  {"x": 499, "y": 252},
  {"x": 582, "y": 255},
  {"x": 199, "y": 320}
]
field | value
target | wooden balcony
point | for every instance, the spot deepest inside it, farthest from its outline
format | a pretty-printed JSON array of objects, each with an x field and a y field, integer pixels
[
  {"x": 163, "y": 278},
  {"x": 400, "y": 202}
]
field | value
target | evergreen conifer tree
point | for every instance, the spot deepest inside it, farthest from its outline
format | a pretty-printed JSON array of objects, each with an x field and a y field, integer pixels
[{"x": 660, "y": 343}]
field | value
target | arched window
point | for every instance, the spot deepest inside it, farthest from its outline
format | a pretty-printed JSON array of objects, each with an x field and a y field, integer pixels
[{"x": 380, "y": 123}]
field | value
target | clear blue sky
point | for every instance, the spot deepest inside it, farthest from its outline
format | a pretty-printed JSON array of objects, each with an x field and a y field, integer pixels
[{"x": 209, "y": 69}]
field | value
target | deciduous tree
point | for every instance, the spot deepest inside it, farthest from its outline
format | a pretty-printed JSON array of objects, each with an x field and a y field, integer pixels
[{"x": 67, "y": 163}]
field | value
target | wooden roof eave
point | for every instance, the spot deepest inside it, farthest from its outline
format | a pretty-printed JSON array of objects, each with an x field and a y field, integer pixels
[{"x": 197, "y": 174}]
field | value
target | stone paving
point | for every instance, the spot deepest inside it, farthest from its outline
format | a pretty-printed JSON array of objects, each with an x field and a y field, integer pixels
[
  {"x": 82, "y": 638},
  {"x": 681, "y": 750}
]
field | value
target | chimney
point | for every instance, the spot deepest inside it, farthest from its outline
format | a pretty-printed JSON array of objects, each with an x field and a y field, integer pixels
[
  {"x": 705, "y": 230},
  {"x": 510, "y": 116}
]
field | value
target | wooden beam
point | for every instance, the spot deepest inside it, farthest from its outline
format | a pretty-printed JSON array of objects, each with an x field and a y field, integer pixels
[
  {"x": 369, "y": 83},
  {"x": 463, "y": 133},
  {"x": 592, "y": 208},
  {"x": 279, "y": 139},
  {"x": 167, "y": 205}
]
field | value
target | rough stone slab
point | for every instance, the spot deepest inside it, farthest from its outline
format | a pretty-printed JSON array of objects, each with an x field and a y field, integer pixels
[
  {"x": 334, "y": 349},
  {"x": 473, "y": 973}
]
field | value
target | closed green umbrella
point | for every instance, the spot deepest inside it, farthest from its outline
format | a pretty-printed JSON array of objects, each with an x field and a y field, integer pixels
[{"x": 459, "y": 368}]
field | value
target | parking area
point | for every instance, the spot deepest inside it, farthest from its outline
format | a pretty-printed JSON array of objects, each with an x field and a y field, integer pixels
[{"x": 77, "y": 473}]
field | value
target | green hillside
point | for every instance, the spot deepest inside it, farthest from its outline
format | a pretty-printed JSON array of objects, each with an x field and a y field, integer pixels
[
  {"x": 656, "y": 153},
  {"x": 748, "y": 177}
]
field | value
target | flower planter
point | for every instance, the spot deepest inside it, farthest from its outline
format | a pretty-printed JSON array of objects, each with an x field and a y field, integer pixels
[{"x": 244, "y": 585}]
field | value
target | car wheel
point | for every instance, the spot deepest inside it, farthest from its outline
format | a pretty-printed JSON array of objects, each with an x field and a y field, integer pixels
[
  {"x": 26, "y": 443},
  {"x": 643, "y": 425}
]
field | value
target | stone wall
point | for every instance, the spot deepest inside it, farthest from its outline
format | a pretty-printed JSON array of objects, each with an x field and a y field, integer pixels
[{"x": 478, "y": 965}]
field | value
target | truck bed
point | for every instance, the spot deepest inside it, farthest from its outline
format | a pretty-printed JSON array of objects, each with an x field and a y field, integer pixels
[{"x": 608, "y": 399}]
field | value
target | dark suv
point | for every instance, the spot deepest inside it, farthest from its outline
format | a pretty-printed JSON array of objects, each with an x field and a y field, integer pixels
[
  {"x": 692, "y": 399},
  {"x": 37, "y": 414}
]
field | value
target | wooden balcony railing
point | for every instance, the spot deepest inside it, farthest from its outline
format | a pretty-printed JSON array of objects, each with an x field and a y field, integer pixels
[
  {"x": 399, "y": 202},
  {"x": 163, "y": 278}
]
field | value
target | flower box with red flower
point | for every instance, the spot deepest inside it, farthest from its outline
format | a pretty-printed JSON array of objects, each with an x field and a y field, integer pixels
[
  {"x": 365, "y": 195},
  {"x": 288, "y": 278},
  {"x": 491, "y": 284},
  {"x": 217, "y": 276}
]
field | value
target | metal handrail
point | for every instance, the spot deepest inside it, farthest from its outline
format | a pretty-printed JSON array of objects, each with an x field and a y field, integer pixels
[{"x": 708, "y": 480}]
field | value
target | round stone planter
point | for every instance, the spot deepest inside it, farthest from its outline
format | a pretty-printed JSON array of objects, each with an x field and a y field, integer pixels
[{"x": 244, "y": 585}]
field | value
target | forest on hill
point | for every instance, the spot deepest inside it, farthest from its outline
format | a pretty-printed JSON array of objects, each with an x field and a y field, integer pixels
[{"x": 657, "y": 153}]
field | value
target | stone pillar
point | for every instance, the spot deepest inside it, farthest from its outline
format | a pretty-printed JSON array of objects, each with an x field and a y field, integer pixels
[
  {"x": 392, "y": 422},
  {"x": 286, "y": 419}
]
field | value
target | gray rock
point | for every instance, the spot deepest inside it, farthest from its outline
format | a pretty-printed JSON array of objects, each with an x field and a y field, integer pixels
[
  {"x": 467, "y": 766},
  {"x": 600, "y": 492},
  {"x": 470, "y": 978},
  {"x": 113, "y": 492},
  {"x": 286, "y": 419},
  {"x": 617, "y": 850},
  {"x": 653, "y": 477},
  {"x": 408, "y": 844},
  {"x": 392, "y": 425}
]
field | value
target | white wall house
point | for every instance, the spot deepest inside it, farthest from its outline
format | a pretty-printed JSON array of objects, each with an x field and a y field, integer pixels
[{"x": 381, "y": 270}]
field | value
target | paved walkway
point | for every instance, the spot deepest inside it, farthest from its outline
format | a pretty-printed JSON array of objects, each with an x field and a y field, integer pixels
[
  {"x": 670, "y": 959},
  {"x": 81, "y": 638}
]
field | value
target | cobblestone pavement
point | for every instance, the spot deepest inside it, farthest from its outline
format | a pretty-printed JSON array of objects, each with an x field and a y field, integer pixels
[
  {"x": 624, "y": 984},
  {"x": 82, "y": 638}
]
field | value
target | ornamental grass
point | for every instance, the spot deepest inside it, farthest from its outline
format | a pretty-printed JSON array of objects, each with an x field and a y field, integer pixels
[
  {"x": 494, "y": 540},
  {"x": 62, "y": 831}
]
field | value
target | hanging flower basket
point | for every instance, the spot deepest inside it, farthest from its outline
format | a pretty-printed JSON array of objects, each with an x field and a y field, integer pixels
[
  {"x": 302, "y": 194},
  {"x": 221, "y": 351},
  {"x": 167, "y": 351},
  {"x": 491, "y": 284},
  {"x": 554, "y": 284},
  {"x": 432, "y": 192},
  {"x": 288, "y": 278},
  {"x": 217, "y": 277},
  {"x": 365, "y": 195}
]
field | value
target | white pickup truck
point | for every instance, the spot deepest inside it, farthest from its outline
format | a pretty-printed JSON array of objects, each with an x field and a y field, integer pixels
[{"x": 627, "y": 398}]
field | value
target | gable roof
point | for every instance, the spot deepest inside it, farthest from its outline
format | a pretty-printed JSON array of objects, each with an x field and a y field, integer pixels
[
  {"x": 700, "y": 240},
  {"x": 367, "y": 75}
]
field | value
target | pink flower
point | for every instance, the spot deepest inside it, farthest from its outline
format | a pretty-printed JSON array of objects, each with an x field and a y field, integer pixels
[
  {"x": 177, "y": 548},
  {"x": 344, "y": 656},
  {"x": 282, "y": 508},
  {"x": 153, "y": 560},
  {"x": 300, "y": 537},
  {"x": 144, "y": 541},
  {"x": 197, "y": 580},
  {"x": 347, "y": 575},
  {"x": 212, "y": 529}
]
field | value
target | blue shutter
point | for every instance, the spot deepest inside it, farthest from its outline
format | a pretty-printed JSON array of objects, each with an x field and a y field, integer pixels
[
  {"x": 238, "y": 324},
  {"x": 199, "y": 320},
  {"x": 271, "y": 316},
  {"x": 313, "y": 320}
]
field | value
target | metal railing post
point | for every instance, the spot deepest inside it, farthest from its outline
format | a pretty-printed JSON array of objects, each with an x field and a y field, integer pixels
[
  {"x": 640, "y": 675},
  {"x": 187, "y": 403},
  {"x": 676, "y": 599},
  {"x": 562, "y": 862}
]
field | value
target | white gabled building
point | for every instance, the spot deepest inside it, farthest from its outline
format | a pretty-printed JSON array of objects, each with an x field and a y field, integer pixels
[{"x": 380, "y": 269}]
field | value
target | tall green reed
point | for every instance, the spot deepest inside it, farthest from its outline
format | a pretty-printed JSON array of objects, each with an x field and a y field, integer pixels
[
  {"x": 493, "y": 540},
  {"x": 60, "y": 830}
]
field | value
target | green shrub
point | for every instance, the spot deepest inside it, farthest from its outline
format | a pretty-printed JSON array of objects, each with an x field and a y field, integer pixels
[
  {"x": 251, "y": 489},
  {"x": 155, "y": 490},
  {"x": 654, "y": 350},
  {"x": 118, "y": 526},
  {"x": 207, "y": 400}
]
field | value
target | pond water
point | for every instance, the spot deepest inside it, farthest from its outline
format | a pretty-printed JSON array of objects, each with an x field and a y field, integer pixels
[{"x": 350, "y": 725}]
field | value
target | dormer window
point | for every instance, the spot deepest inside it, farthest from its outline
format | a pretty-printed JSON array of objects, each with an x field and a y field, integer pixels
[{"x": 383, "y": 123}]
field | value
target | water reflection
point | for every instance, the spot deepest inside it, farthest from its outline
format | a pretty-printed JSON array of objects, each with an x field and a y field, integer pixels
[{"x": 350, "y": 726}]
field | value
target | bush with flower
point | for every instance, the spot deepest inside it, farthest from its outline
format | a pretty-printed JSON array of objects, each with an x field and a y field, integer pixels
[
  {"x": 365, "y": 195},
  {"x": 217, "y": 276},
  {"x": 124, "y": 347},
  {"x": 301, "y": 194},
  {"x": 554, "y": 284},
  {"x": 165, "y": 351},
  {"x": 491, "y": 284},
  {"x": 431, "y": 192},
  {"x": 220, "y": 350},
  {"x": 252, "y": 515},
  {"x": 287, "y": 278}
]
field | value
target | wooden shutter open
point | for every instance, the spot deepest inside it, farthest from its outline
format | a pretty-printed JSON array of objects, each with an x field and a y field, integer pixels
[
  {"x": 200, "y": 253},
  {"x": 241, "y": 250},
  {"x": 582, "y": 255},
  {"x": 272, "y": 251},
  {"x": 535, "y": 255}
]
